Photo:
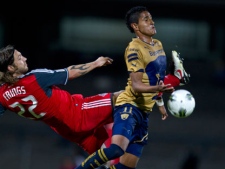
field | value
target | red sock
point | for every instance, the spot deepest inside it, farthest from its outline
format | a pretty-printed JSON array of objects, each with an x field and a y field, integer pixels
[{"x": 171, "y": 79}]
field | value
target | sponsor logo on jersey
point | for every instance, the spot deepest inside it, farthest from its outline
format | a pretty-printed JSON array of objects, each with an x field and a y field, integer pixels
[{"x": 155, "y": 53}]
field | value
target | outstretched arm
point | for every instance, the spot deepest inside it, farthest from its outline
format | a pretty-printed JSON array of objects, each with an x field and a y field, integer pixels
[{"x": 82, "y": 69}]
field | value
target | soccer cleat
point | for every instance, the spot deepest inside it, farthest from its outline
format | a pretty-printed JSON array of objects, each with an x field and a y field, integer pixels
[{"x": 179, "y": 69}]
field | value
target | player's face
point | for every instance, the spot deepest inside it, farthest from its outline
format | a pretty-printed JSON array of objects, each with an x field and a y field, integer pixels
[
  {"x": 20, "y": 62},
  {"x": 146, "y": 24}
]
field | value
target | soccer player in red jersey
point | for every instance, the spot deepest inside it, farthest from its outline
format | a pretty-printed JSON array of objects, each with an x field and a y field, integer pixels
[{"x": 34, "y": 95}]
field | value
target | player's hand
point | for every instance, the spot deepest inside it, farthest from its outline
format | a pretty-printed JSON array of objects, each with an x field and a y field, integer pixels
[
  {"x": 103, "y": 61},
  {"x": 163, "y": 112},
  {"x": 165, "y": 88}
]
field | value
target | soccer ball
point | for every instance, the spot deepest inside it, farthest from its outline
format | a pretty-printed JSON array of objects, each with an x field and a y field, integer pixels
[{"x": 181, "y": 103}]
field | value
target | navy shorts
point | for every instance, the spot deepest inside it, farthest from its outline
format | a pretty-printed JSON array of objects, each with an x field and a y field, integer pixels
[{"x": 132, "y": 123}]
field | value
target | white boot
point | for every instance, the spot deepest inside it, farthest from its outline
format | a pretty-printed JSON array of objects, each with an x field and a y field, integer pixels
[{"x": 179, "y": 69}]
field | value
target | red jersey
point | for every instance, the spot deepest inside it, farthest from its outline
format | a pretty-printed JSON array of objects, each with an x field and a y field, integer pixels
[{"x": 36, "y": 96}]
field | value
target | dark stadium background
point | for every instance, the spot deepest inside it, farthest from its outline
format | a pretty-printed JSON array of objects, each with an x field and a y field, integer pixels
[{"x": 58, "y": 34}]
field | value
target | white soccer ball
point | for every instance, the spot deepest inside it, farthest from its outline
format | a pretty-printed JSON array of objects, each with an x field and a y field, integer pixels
[{"x": 181, "y": 103}]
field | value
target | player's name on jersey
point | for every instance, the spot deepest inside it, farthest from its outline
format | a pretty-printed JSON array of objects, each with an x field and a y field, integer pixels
[{"x": 14, "y": 92}]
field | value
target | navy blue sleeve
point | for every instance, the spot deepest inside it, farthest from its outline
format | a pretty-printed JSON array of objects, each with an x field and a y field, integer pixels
[{"x": 47, "y": 77}]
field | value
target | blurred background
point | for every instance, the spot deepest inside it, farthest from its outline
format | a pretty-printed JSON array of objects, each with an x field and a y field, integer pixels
[{"x": 61, "y": 33}]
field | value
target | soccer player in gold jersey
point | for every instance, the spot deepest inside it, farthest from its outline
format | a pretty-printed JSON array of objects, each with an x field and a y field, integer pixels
[{"x": 146, "y": 64}]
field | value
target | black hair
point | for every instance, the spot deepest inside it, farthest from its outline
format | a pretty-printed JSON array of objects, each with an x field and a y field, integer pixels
[{"x": 133, "y": 15}]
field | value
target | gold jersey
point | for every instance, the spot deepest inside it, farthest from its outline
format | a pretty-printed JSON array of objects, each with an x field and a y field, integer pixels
[{"x": 149, "y": 59}]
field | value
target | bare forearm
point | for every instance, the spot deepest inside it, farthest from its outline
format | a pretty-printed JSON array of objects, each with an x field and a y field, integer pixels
[{"x": 80, "y": 70}]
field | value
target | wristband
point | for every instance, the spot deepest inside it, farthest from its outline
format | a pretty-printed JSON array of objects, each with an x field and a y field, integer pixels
[{"x": 159, "y": 102}]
